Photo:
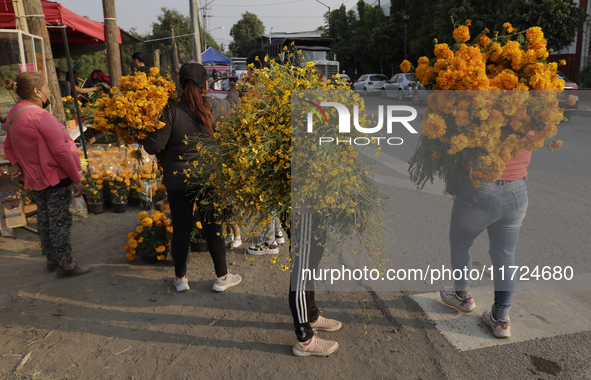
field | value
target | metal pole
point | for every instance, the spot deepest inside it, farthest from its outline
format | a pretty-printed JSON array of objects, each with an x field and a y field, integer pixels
[
  {"x": 73, "y": 84},
  {"x": 380, "y": 27},
  {"x": 404, "y": 39},
  {"x": 355, "y": 48}
]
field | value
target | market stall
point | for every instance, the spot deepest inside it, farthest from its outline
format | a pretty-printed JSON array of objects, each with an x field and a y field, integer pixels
[
  {"x": 84, "y": 35},
  {"x": 214, "y": 60}
]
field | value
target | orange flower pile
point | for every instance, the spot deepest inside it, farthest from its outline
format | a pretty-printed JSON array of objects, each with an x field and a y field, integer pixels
[
  {"x": 487, "y": 128},
  {"x": 152, "y": 237},
  {"x": 137, "y": 110}
]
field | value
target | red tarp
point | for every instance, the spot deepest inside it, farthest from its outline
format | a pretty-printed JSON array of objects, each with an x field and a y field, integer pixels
[{"x": 80, "y": 30}]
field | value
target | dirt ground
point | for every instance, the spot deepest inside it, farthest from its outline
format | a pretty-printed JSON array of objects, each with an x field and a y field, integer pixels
[{"x": 125, "y": 321}]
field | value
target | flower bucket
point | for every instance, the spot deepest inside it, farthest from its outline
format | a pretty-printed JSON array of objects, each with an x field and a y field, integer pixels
[
  {"x": 96, "y": 208},
  {"x": 119, "y": 207},
  {"x": 149, "y": 259},
  {"x": 198, "y": 246},
  {"x": 134, "y": 201}
]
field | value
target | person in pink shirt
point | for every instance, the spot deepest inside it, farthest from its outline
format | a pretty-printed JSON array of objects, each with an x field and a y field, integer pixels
[
  {"x": 42, "y": 152},
  {"x": 498, "y": 207}
]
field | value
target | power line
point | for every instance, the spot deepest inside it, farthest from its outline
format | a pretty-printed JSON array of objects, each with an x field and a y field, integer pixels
[
  {"x": 259, "y": 5},
  {"x": 272, "y": 16}
]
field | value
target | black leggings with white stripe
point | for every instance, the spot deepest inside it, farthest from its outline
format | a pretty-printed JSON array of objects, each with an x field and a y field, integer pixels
[{"x": 309, "y": 247}]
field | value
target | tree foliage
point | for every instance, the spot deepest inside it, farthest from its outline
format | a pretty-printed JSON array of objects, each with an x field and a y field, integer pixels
[
  {"x": 244, "y": 33},
  {"x": 360, "y": 35}
]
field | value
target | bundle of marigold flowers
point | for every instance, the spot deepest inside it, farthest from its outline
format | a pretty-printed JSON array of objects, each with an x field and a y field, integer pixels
[
  {"x": 151, "y": 239},
  {"x": 93, "y": 187},
  {"x": 473, "y": 133},
  {"x": 138, "y": 109},
  {"x": 250, "y": 159}
]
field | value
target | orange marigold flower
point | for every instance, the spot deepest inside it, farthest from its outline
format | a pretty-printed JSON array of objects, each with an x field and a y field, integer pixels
[
  {"x": 572, "y": 100},
  {"x": 468, "y": 22},
  {"x": 405, "y": 66},
  {"x": 462, "y": 33},
  {"x": 130, "y": 257},
  {"x": 476, "y": 184},
  {"x": 434, "y": 127},
  {"x": 147, "y": 222},
  {"x": 556, "y": 144}
]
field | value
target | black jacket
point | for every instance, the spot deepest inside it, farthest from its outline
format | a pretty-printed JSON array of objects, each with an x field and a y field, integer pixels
[{"x": 181, "y": 122}]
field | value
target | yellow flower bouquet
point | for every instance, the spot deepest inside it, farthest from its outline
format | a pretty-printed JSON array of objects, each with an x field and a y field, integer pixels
[
  {"x": 507, "y": 101},
  {"x": 138, "y": 109},
  {"x": 249, "y": 160},
  {"x": 151, "y": 239}
]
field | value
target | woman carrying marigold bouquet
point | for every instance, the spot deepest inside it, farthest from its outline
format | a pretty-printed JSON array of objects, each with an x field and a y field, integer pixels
[
  {"x": 480, "y": 143},
  {"x": 195, "y": 115}
]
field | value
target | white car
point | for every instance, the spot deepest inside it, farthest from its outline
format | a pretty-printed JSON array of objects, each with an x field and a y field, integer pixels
[
  {"x": 401, "y": 86},
  {"x": 370, "y": 83}
]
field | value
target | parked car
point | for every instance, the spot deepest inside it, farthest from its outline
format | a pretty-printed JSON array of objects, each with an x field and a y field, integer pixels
[
  {"x": 570, "y": 88},
  {"x": 218, "y": 88},
  {"x": 370, "y": 83},
  {"x": 401, "y": 86}
]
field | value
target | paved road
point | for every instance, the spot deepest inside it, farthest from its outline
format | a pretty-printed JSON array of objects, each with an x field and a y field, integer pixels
[{"x": 551, "y": 326}]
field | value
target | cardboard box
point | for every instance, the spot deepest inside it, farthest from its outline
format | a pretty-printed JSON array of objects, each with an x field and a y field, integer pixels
[{"x": 12, "y": 213}]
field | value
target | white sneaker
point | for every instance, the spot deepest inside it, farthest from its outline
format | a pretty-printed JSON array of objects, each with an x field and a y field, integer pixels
[
  {"x": 220, "y": 285},
  {"x": 229, "y": 239},
  {"x": 263, "y": 248},
  {"x": 237, "y": 242},
  {"x": 181, "y": 284},
  {"x": 279, "y": 239},
  {"x": 315, "y": 347}
]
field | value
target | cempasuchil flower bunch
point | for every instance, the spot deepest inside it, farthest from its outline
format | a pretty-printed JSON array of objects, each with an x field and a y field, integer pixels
[
  {"x": 151, "y": 237},
  {"x": 135, "y": 108},
  {"x": 506, "y": 100},
  {"x": 250, "y": 160}
]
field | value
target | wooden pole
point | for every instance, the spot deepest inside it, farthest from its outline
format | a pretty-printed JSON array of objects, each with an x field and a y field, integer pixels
[
  {"x": 37, "y": 27},
  {"x": 19, "y": 13},
  {"x": 112, "y": 41},
  {"x": 195, "y": 30},
  {"x": 157, "y": 59},
  {"x": 175, "y": 51}
]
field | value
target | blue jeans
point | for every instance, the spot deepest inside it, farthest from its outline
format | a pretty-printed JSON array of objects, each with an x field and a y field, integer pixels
[{"x": 499, "y": 207}]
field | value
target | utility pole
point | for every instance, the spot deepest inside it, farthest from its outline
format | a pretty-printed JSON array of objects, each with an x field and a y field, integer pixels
[
  {"x": 36, "y": 24},
  {"x": 380, "y": 28},
  {"x": 195, "y": 30},
  {"x": 112, "y": 41},
  {"x": 175, "y": 51}
]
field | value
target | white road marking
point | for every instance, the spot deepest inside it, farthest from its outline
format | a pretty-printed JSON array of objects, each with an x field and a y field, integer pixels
[{"x": 534, "y": 315}]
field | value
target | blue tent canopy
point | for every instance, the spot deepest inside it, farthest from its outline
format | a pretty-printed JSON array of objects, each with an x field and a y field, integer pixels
[{"x": 213, "y": 57}]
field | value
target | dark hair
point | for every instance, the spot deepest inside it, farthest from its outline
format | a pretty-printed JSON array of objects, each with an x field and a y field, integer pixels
[
  {"x": 257, "y": 58},
  {"x": 139, "y": 56},
  {"x": 192, "y": 99},
  {"x": 25, "y": 83}
]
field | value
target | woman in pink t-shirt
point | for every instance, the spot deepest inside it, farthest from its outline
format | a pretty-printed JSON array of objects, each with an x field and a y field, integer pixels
[
  {"x": 41, "y": 150},
  {"x": 498, "y": 207}
]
